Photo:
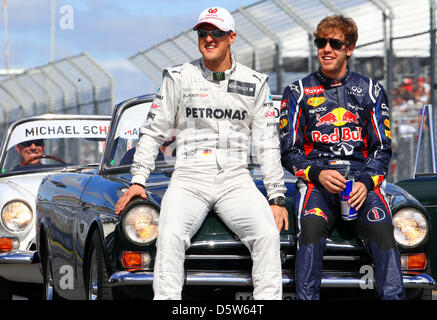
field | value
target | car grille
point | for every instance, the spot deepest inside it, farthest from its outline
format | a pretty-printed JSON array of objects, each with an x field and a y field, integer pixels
[{"x": 233, "y": 256}]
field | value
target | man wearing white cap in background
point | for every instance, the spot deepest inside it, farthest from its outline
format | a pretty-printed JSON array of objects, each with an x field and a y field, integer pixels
[{"x": 216, "y": 106}]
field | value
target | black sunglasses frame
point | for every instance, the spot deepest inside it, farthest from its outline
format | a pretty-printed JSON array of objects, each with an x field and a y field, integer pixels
[
  {"x": 38, "y": 143},
  {"x": 201, "y": 33},
  {"x": 335, "y": 44}
]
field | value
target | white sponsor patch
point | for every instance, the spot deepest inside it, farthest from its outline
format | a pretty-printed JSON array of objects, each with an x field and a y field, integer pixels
[{"x": 375, "y": 214}]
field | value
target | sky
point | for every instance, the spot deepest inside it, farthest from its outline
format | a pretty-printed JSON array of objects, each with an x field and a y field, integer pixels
[{"x": 110, "y": 31}]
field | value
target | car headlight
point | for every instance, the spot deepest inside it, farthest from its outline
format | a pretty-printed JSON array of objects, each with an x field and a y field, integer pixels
[
  {"x": 16, "y": 216},
  {"x": 410, "y": 227},
  {"x": 140, "y": 224}
]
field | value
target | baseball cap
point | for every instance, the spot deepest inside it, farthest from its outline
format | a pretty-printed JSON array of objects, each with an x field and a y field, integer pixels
[{"x": 219, "y": 17}]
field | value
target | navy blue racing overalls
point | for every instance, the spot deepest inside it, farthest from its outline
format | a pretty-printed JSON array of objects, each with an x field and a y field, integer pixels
[{"x": 334, "y": 124}]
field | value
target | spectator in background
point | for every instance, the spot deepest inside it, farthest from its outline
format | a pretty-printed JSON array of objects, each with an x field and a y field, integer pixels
[
  {"x": 420, "y": 95},
  {"x": 398, "y": 100},
  {"x": 421, "y": 83},
  {"x": 408, "y": 86}
]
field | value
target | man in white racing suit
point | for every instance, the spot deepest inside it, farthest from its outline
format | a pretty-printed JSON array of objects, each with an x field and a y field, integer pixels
[{"x": 216, "y": 106}]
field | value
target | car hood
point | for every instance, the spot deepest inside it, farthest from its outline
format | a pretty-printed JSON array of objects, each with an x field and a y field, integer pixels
[
  {"x": 213, "y": 229},
  {"x": 342, "y": 233},
  {"x": 24, "y": 184}
]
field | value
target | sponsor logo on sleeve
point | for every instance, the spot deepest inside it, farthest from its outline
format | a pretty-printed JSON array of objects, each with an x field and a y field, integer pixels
[
  {"x": 316, "y": 212},
  {"x": 388, "y": 134},
  {"x": 377, "y": 180},
  {"x": 294, "y": 87},
  {"x": 302, "y": 173},
  {"x": 377, "y": 89}
]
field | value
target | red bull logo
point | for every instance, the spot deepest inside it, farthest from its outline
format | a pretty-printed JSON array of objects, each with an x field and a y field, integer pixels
[
  {"x": 317, "y": 212},
  {"x": 349, "y": 117},
  {"x": 301, "y": 173},
  {"x": 283, "y": 104},
  {"x": 346, "y": 135},
  {"x": 338, "y": 117},
  {"x": 327, "y": 119},
  {"x": 377, "y": 180},
  {"x": 283, "y": 123}
]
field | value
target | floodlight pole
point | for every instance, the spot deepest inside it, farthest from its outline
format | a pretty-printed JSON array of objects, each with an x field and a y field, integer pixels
[
  {"x": 387, "y": 20},
  {"x": 432, "y": 36},
  {"x": 52, "y": 29},
  {"x": 5, "y": 15}
]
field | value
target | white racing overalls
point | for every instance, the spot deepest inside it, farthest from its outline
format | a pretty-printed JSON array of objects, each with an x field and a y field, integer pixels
[{"x": 215, "y": 116}]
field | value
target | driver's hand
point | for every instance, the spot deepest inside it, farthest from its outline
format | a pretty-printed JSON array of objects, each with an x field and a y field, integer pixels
[
  {"x": 358, "y": 195},
  {"x": 133, "y": 191},
  {"x": 332, "y": 180},
  {"x": 280, "y": 215}
]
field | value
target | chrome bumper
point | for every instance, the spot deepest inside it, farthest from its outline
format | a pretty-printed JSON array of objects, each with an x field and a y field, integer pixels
[
  {"x": 19, "y": 257},
  {"x": 20, "y": 266},
  {"x": 240, "y": 279}
]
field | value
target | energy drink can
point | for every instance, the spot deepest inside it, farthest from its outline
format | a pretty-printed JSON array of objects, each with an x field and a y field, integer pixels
[{"x": 347, "y": 212}]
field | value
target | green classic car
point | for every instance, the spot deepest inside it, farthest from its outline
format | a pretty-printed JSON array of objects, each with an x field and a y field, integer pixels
[
  {"x": 423, "y": 184},
  {"x": 89, "y": 252}
]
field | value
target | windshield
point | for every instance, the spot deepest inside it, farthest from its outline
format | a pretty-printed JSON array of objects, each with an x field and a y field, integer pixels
[
  {"x": 127, "y": 135},
  {"x": 46, "y": 143}
]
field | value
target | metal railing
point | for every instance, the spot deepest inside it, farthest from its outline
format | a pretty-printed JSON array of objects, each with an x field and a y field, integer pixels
[{"x": 74, "y": 85}]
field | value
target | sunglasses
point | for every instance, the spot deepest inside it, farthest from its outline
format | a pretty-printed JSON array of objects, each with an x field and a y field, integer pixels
[
  {"x": 334, "y": 43},
  {"x": 214, "y": 33},
  {"x": 38, "y": 143}
]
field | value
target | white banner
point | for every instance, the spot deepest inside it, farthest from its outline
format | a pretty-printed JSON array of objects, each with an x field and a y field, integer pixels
[{"x": 51, "y": 129}]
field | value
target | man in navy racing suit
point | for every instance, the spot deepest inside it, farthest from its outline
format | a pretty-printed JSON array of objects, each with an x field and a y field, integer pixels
[{"x": 331, "y": 120}]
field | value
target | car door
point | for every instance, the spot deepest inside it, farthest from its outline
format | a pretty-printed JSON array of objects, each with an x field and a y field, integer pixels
[{"x": 62, "y": 212}]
